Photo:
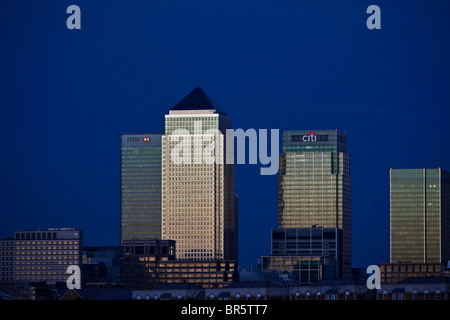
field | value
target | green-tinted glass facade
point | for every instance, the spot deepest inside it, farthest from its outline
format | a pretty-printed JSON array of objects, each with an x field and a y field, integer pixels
[
  {"x": 314, "y": 185},
  {"x": 140, "y": 186},
  {"x": 419, "y": 215}
]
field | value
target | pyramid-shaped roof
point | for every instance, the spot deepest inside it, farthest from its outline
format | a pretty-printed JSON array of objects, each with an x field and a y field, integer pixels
[{"x": 197, "y": 99}]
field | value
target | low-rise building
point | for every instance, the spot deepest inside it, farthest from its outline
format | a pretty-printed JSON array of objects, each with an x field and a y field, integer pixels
[
  {"x": 257, "y": 290},
  {"x": 302, "y": 269},
  {"x": 341, "y": 289},
  {"x": 396, "y": 272},
  {"x": 151, "y": 262},
  {"x": 176, "y": 291},
  {"x": 426, "y": 288}
]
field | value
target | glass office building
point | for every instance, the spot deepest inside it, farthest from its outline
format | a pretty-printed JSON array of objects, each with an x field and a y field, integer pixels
[
  {"x": 198, "y": 200},
  {"x": 324, "y": 242},
  {"x": 140, "y": 186},
  {"x": 419, "y": 216},
  {"x": 314, "y": 185},
  {"x": 304, "y": 269}
]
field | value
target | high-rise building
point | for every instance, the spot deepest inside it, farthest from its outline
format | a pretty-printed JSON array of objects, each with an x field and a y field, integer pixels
[
  {"x": 419, "y": 216},
  {"x": 140, "y": 186},
  {"x": 314, "y": 185},
  {"x": 198, "y": 200}
]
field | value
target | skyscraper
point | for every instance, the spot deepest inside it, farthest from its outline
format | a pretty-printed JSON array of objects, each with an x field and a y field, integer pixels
[
  {"x": 198, "y": 201},
  {"x": 314, "y": 185},
  {"x": 420, "y": 215},
  {"x": 140, "y": 186}
]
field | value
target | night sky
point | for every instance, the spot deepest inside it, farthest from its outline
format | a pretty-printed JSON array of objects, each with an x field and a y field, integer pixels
[{"x": 67, "y": 95}]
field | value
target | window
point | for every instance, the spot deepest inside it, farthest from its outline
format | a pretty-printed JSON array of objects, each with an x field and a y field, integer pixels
[
  {"x": 397, "y": 296},
  {"x": 318, "y": 295},
  {"x": 414, "y": 295},
  {"x": 438, "y": 295},
  {"x": 425, "y": 295}
]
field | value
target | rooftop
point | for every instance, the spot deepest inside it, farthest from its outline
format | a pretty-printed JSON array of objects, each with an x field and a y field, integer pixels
[{"x": 197, "y": 99}]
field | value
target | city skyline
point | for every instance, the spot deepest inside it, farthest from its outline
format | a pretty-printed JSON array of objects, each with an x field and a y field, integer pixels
[{"x": 68, "y": 95}]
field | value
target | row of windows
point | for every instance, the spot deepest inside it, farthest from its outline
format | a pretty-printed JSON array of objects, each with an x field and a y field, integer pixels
[
  {"x": 210, "y": 117},
  {"x": 21, "y": 260},
  {"x": 59, "y": 266},
  {"x": 414, "y": 295},
  {"x": 27, "y": 243},
  {"x": 37, "y": 235}
]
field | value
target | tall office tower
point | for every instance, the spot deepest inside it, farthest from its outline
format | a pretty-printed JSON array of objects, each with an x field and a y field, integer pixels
[
  {"x": 140, "y": 186},
  {"x": 314, "y": 185},
  {"x": 420, "y": 215},
  {"x": 44, "y": 255},
  {"x": 198, "y": 200}
]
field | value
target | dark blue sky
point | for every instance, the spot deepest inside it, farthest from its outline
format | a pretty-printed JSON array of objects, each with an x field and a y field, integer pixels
[{"x": 67, "y": 95}]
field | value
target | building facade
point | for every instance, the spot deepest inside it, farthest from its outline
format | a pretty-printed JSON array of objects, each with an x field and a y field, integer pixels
[
  {"x": 101, "y": 265},
  {"x": 348, "y": 289},
  {"x": 314, "y": 185},
  {"x": 427, "y": 288},
  {"x": 198, "y": 200},
  {"x": 7, "y": 260},
  {"x": 40, "y": 255},
  {"x": 396, "y": 272},
  {"x": 151, "y": 262},
  {"x": 304, "y": 242},
  {"x": 304, "y": 269},
  {"x": 419, "y": 216},
  {"x": 140, "y": 186}
]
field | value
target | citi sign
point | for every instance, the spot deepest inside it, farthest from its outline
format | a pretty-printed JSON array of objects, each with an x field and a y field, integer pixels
[{"x": 310, "y": 137}]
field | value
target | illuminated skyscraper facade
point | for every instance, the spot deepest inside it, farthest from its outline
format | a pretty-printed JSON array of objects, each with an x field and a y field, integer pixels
[
  {"x": 140, "y": 186},
  {"x": 198, "y": 200},
  {"x": 419, "y": 216},
  {"x": 314, "y": 185}
]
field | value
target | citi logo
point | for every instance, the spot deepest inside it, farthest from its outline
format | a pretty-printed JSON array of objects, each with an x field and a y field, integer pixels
[{"x": 310, "y": 137}]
